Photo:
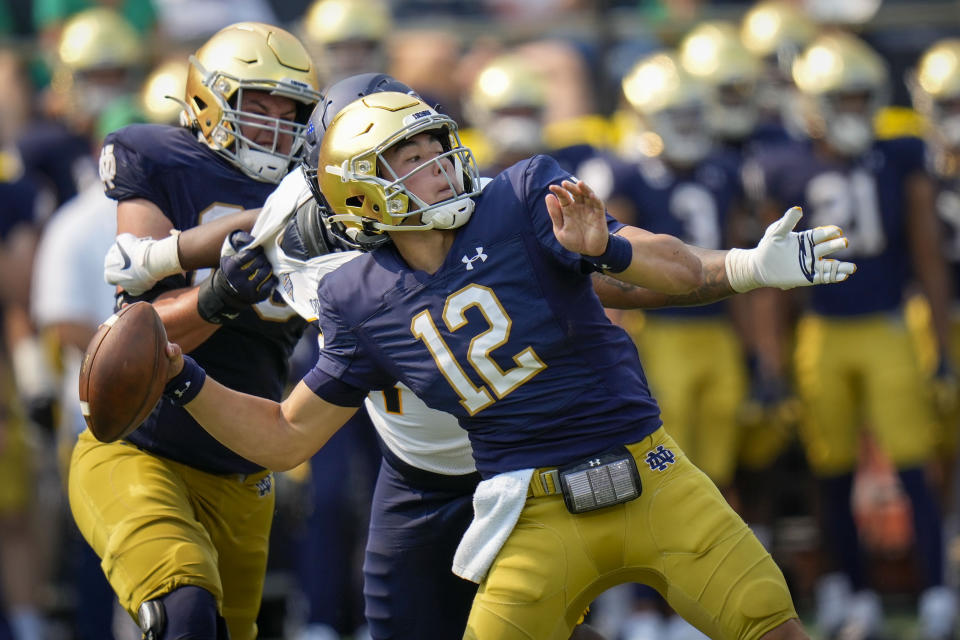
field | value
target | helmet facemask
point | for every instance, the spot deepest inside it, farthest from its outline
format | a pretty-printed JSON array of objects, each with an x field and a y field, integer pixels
[
  {"x": 264, "y": 162},
  {"x": 390, "y": 203}
]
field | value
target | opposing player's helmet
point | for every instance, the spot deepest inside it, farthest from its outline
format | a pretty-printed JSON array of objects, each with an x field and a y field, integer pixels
[
  {"x": 843, "y": 82},
  {"x": 159, "y": 95},
  {"x": 935, "y": 89},
  {"x": 507, "y": 103},
  {"x": 250, "y": 56},
  {"x": 99, "y": 59},
  {"x": 671, "y": 104},
  {"x": 335, "y": 98},
  {"x": 365, "y": 193},
  {"x": 714, "y": 52}
]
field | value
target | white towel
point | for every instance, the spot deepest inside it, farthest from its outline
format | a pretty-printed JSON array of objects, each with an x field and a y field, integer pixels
[{"x": 497, "y": 504}]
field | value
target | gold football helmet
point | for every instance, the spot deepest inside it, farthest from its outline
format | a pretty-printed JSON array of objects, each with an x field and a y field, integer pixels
[
  {"x": 99, "y": 59},
  {"x": 159, "y": 95},
  {"x": 350, "y": 35},
  {"x": 842, "y": 84},
  {"x": 935, "y": 89},
  {"x": 670, "y": 103},
  {"x": 366, "y": 194},
  {"x": 506, "y": 103},
  {"x": 250, "y": 56},
  {"x": 714, "y": 52}
]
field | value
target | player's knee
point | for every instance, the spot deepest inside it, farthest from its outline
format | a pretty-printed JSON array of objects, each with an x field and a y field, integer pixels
[{"x": 187, "y": 613}]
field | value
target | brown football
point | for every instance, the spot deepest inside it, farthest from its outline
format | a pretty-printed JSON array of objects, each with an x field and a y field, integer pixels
[{"x": 124, "y": 371}]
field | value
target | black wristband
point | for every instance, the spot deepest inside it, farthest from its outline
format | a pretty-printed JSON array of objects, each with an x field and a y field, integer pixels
[
  {"x": 616, "y": 258},
  {"x": 184, "y": 387},
  {"x": 213, "y": 304}
]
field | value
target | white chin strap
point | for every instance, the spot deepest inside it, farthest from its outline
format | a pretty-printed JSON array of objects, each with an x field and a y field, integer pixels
[
  {"x": 449, "y": 215},
  {"x": 261, "y": 165},
  {"x": 849, "y": 134}
]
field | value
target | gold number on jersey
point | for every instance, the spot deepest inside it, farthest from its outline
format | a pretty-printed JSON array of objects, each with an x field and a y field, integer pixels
[{"x": 472, "y": 397}]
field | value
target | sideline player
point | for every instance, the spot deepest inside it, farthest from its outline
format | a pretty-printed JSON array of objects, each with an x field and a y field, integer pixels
[
  {"x": 181, "y": 523},
  {"x": 591, "y": 380}
]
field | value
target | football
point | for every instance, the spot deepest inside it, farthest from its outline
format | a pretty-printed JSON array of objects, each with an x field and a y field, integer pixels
[{"x": 124, "y": 371}]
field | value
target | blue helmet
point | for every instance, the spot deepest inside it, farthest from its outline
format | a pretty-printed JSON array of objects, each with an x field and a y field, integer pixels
[{"x": 335, "y": 98}]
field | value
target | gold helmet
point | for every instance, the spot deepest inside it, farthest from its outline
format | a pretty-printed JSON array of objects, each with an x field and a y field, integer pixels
[
  {"x": 507, "y": 102},
  {"x": 842, "y": 83},
  {"x": 350, "y": 35},
  {"x": 250, "y": 56},
  {"x": 670, "y": 103},
  {"x": 99, "y": 58},
  {"x": 366, "y": 194},
  {"x": 777, "y": 28},
  {"x": 159, "y": 95},
  {"x": 935, "y": 89},
  {"x": 714, "y": 52}
]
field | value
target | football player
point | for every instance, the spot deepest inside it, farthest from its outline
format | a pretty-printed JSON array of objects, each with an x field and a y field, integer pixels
[
  {"x": 567, "y": 390},
  {"x": 349, "y": 36},
  {"x": 881, "y": 192},
  {"x": 180, "y": 522}
]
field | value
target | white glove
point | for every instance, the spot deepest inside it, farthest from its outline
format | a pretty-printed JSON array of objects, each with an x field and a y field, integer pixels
[
  {"x": 137, "y": 264},
  {"x": 785, "y": 259}
]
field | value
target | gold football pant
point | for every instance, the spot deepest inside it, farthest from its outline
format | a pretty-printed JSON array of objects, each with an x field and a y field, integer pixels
[
  {"x": 158, "y": 525},
  {"x": 678, "y": 536}
]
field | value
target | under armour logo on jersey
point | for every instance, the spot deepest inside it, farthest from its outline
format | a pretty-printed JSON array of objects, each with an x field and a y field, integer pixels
[
  {"x": 287, "y": 285},
  {"x": 481, "y": 256},
  {"x": 660, "y": 458},
  {"x": 595, "y": 462},
  {"x": 264, "y": 486},
  {"x": 179, "y": 392}
]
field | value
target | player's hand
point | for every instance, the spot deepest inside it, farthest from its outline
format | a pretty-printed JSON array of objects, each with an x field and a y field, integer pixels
[
  {"x": 579, "y": 218},
  {"x": 125, "y": 264},
  {"x": 245, "y": 277},
  {"x": 786, "y": 259}
]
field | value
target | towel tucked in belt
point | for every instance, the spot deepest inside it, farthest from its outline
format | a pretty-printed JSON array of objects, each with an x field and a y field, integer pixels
[{"x": 497, "y": 504}]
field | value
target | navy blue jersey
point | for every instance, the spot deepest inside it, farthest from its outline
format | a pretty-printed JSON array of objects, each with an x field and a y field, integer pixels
[
  {"x": 865, "y": 198},
  {"x": 692, "y": 205},
  {"x": 191, "y": 184},
  {"x": 57, "y": 159},
  {"x": 507, "y": 335},
  {"x": 19, "y": 198}
]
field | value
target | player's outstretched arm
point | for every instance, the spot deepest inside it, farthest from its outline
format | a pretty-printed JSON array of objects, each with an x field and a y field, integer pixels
[
  {"x": 656, "y": 261},
  {"x": 783, "y": 258},
  {"x": 277, "y": 436}
]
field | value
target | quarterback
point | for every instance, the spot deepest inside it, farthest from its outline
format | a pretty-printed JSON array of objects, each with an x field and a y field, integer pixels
[{"x": 547, "y": 388}]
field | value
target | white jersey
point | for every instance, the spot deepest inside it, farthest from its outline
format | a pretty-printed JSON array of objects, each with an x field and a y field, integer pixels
[
  {"x": 420, "y": 436},
  {"x": 68, "y": 281}
]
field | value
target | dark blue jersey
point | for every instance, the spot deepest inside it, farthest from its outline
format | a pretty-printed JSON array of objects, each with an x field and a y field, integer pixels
[
  {"x": 692, "y": 205},
  {"x": 507, "y": 335},
  {"x": 865, "y": 198},
  {"x": 57, "y": 159},
  {"x": 19, "y": 198},
  {"x": 191, "y": 184}
]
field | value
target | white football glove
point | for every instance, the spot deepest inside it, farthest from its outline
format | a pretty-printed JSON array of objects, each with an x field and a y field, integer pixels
[
  {"x": 137, "y": 264},
  {"x": 785, "y": 259}
]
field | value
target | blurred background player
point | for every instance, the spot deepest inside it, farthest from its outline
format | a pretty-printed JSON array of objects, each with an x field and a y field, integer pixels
[
  {"x": 880, "y": 192},
  {"x": 935, "y": 90},
  {"x": 183, "y": 538},
  {"x": 349, "y": 36},
  {"x": 24, "y": 454}
]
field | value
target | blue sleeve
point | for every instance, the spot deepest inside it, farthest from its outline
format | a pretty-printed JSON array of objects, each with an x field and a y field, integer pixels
[
  {"x": 343, "y": 374},
  {"x": 133, "y": 174},
  {"x": 911, "y": 153},
  {"x": 540, "y": 173}
]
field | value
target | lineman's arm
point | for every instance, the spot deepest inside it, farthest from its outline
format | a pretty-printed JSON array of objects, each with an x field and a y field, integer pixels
[{"x": 278, "y": 436}]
